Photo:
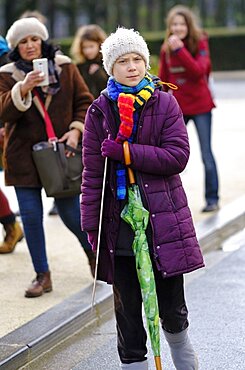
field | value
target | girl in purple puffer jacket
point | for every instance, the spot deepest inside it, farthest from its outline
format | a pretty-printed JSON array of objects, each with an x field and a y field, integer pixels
[{"x": 133, "y": 109}]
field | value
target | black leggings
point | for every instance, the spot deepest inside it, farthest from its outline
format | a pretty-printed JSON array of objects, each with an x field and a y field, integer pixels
[{"x": 128, "y": 308}]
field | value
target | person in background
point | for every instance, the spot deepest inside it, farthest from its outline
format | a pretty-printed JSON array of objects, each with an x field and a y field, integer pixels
[
  {"x": 24, "y": 127},
  {"x": 4, "y": 49},
  {"x": 185, "y": 62},
  {"x": 12, "y": 228},
  {"x": 85, "y": 51},
  {"x": 36, "y": 14},
  {"x": 133, "y": 109}
]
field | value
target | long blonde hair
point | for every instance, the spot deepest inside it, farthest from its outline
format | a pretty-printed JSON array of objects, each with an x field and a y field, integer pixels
[
  {"x": 194, "y": 31},
  {"x": 90, "y": 32}
]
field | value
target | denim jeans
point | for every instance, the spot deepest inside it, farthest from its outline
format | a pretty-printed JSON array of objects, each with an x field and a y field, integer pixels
[
  {"x": 203, "y": 123},
  {"x": 31, "y": 211}
]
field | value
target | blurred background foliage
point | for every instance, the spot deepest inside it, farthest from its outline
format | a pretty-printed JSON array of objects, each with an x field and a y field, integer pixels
[
  {"x": 64, "y": 16},
  {"x": 224, "y": 21}
]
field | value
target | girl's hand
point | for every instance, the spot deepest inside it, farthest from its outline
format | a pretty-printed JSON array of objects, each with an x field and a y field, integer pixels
[
  {"x": 32, "y": 79},
  {"x": 72, "y": 138},
  {"x": 175, "y": 43},
  {"x": 112, "y": 149}
]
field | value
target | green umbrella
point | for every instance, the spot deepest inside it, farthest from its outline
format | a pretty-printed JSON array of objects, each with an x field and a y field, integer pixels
[{"x": 137, "y": 216}]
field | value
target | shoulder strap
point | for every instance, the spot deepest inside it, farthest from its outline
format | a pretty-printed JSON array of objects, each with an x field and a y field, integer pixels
[{"x": 48, "y": 123}]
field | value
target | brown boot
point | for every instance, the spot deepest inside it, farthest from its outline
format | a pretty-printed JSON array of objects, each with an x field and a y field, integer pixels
[
  {"x": 91, "y": 260},
  {"x": 14, "y": 234},
  {"x": 42, "y": 284}
]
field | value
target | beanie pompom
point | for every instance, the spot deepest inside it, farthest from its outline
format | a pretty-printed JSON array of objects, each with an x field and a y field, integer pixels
[
  {"x": 25, "y": 27},
  {"x": 123, "y": 41}
]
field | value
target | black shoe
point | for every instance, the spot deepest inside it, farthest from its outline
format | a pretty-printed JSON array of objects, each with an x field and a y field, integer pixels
[
  {"x": 53, "y": 211},
  {"x": 210, "y": 208}
]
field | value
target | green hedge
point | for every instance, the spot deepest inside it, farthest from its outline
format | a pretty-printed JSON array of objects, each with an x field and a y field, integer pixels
[
  {"x": 226, "y": 48},
  {"x": 227, "y": 52}
]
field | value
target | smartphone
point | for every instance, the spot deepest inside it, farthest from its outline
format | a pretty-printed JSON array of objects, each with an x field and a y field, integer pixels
[{"x": 41, "y": 65}]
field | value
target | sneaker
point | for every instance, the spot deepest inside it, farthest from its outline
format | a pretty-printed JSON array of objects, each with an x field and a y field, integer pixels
[{"x": 211, "y": 208}]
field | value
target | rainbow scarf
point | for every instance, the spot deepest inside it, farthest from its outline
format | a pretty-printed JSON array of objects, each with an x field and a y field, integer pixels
[{"x": 129, "y": 101}]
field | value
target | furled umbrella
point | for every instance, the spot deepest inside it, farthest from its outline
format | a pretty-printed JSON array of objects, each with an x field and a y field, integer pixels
[{"x": 137, "y": 216}]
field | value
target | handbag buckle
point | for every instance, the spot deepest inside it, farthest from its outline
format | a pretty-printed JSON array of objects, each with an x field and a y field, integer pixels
[{"x": 53, "y": 141}]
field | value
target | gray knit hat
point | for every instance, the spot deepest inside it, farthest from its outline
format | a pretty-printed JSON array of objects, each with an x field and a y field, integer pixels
[
  {"x": 123, "y": 41},
  {"x": 23, "y": 28}
]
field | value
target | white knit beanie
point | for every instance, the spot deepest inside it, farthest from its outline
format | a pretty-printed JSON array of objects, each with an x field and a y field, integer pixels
[
  {"x": 25, "y": 27},
  {"x": 123, "y": 41}
]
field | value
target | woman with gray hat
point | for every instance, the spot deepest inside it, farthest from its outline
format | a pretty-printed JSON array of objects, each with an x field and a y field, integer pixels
[{"x": 66, "y": 98}]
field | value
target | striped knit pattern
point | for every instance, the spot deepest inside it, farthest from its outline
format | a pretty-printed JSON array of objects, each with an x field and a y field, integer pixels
[{"x": 129, "y": 99}]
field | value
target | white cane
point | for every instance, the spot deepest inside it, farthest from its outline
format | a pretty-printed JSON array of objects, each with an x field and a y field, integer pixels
[{"x": 99, "y": 230}]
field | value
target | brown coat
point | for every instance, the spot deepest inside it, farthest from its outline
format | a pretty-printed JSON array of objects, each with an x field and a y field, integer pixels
[{"x": 24, "y": 123}]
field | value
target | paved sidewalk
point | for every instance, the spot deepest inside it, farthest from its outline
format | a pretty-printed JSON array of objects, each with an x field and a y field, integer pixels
[
  {"x": 68, "y": 264},
  {"x": 216, "y": 302}
]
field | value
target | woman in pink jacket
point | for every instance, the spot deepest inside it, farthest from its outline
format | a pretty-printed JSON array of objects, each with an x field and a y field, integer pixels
[{"x": 185, "y": 62}]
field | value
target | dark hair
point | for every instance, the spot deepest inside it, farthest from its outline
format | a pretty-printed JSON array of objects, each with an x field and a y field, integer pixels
[{"x": 48, "y": 51}]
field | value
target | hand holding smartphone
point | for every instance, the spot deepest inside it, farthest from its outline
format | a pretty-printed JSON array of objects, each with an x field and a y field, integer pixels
[{"x": 41, "y": 65}]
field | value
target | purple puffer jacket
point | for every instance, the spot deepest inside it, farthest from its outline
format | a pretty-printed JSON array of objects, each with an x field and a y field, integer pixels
[{"x": 160, "y": 153}]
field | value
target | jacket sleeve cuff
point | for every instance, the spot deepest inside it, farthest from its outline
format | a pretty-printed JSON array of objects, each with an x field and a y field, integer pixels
[
  {"x": 78, "y": 125},
  {"x": 21, "y": 104}
]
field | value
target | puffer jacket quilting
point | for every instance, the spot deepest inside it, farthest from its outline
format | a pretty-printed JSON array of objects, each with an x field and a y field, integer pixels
[{"x": 160, "y": 153}]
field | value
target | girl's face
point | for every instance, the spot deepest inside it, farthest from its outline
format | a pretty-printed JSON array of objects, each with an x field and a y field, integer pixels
[
  {"x": 129, "y": 69},
  {"x": 179, "y": 27},
  {"x": 30, "y": 48},
  {"x": 90, "y": 49}
]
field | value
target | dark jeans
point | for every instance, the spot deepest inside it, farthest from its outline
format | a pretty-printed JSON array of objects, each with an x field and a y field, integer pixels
[
  {"x": 203, "y": 123},
  {"x": 128, "y": 308},
  {"x": 31, "y": 211}
]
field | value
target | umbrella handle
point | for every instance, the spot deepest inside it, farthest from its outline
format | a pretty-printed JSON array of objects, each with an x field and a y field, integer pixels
[
  {"x": 158, "y": 362},
  {"x": 127, "y": 159}
]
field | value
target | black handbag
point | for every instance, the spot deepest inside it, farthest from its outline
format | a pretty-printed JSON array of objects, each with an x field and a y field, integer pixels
[{"x": 60, "y": 175}]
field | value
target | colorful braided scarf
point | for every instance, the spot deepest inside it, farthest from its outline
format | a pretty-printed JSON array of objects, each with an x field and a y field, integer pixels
[{"x": 129, "y": 100}]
